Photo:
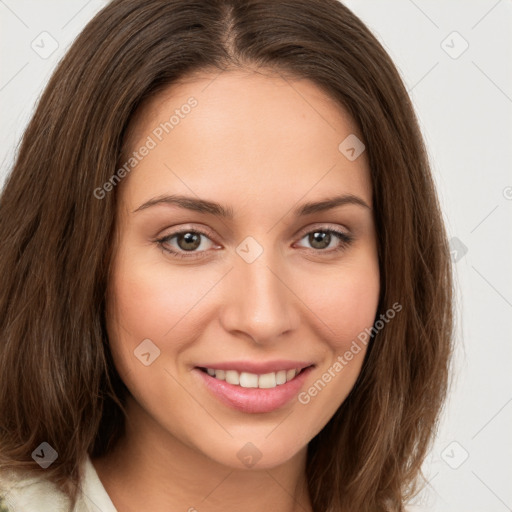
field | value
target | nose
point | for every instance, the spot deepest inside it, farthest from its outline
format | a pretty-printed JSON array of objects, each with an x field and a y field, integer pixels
[{"x": 260, "y": 302}]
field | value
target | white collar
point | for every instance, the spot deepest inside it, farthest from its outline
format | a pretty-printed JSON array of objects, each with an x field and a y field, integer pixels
[{"x": 95, "y": 496}]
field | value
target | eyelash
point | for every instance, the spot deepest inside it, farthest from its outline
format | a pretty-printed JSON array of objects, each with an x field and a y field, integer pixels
[{"x": 344, "y": 238}]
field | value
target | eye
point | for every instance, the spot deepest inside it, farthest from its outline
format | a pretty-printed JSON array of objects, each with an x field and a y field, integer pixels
[
  {"x": 328, "y": 240},
  {"x": 187, "y": 241}
]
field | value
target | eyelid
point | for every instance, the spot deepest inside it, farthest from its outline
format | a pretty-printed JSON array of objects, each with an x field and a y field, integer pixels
[
  {"x": 318, "y": 226},
  {"x": 203, "y": 231},
  {"x": 189, "y": 228},
  {"x": 344, "y": 236},
  {"x": 300, "y": 234}
]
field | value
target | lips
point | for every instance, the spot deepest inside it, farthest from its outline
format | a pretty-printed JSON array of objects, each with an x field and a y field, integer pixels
[
  {"x": 251, "y": 374},
  {"x": 257, "y": 367},
  {"x": 267, "y": 387}
]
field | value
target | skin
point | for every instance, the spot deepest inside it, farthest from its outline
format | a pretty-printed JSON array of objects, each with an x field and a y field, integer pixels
[{"x": 261, "y": 145}]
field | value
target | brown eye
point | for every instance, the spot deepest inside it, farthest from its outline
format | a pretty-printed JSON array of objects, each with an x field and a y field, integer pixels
[
  {"x": 187, "y": 241},
  {"x": 332, "y": 239},
  {"x": 320, "y": 239}
]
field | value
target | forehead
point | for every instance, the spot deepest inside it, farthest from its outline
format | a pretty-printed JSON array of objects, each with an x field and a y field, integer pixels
[{"x": 249, "y": 134}]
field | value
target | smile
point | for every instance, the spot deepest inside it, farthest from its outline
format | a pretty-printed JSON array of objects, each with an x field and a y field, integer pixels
[
  {"x": 253, "y": 380},
  {"x": 251, "y": 392}
]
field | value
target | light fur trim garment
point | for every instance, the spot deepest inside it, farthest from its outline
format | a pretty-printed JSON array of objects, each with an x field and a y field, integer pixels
[
  {"x": 34, "y": 494},
  {"x": 38, "y": 495}
]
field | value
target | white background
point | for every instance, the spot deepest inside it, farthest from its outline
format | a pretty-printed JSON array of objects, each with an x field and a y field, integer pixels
[{"x": 465, "y": 108}]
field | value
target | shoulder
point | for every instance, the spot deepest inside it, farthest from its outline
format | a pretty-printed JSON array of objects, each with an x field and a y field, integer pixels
[
  {"x": 416, "y": 508},
  {"x": 22, "y": 493},
  {"x": 4, "y": 506}
]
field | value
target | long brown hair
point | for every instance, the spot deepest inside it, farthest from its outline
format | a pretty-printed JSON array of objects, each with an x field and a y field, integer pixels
[{"x": 58, "y": 381}]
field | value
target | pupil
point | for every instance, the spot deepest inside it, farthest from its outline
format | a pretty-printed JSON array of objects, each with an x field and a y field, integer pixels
[
  {"x": 192, "y": 241},
  {"x": 320, "y": 237}
]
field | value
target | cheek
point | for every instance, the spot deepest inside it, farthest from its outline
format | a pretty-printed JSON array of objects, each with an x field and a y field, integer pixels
[
  {"x": 345, "y": 302},
  {"x": 150, "y": 299},
  {"x": 344, "y": 308},
  {"x": 146, "y": 302}
]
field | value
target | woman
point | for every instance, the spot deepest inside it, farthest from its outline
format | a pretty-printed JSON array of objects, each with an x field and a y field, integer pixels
[{"x": 225, "y": 269}]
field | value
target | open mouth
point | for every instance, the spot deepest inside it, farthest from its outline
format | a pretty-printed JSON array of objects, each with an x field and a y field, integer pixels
[
  {"x": 254, "y": 380},
  {"x": 255, "y": 392}
]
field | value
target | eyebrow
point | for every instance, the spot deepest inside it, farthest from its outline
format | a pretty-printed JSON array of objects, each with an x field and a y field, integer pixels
[{"x": 213, "y": 208}]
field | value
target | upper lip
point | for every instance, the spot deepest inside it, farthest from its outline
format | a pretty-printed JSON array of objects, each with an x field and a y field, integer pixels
[{"x": 257, "y": 367}]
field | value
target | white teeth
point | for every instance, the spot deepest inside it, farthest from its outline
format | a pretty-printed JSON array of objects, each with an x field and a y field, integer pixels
[
  {"x": 232, "y": 377},
  {"x": 252, "y": 380},
  {"x": 248, "y": 380},
  {"x": 267, "y": 380},
  {"x": 280, "y": 377},
  {"x": 290, "y": 374}
]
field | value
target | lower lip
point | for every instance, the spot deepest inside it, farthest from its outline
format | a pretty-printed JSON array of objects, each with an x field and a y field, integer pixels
[{"x": 254, "y": 400}]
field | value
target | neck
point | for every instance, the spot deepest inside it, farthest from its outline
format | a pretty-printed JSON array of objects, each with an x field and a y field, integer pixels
[{"x": 150, "y": 469}]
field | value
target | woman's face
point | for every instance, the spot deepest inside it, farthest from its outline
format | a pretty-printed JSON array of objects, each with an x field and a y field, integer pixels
[{"x": 225, "y": 263}]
